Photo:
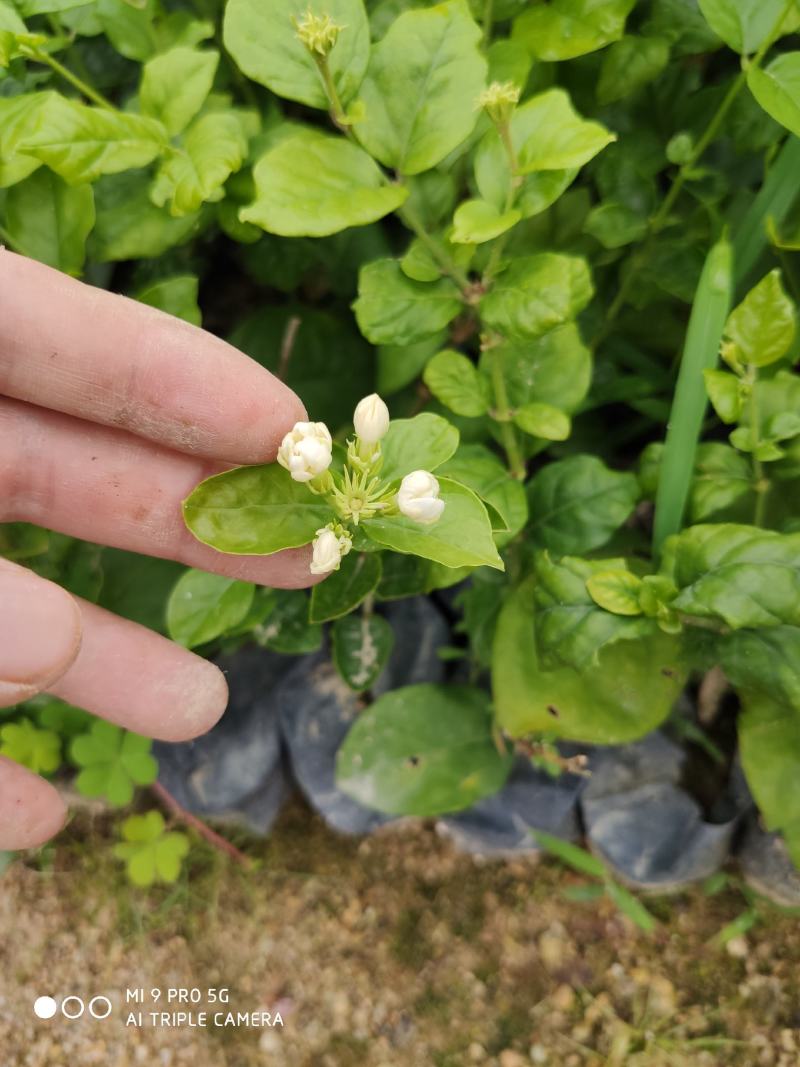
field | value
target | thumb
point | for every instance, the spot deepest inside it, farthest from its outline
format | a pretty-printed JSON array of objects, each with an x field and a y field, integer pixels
[{"x": 40, "y": 633}]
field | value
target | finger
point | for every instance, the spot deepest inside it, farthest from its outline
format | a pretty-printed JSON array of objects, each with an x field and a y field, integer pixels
[
  {"x": 140, "y": 680},
  {"x": 110, "y": 487},
  {"x": 40, "y": 633},
  {"x": 103, "y": 357},
  {"x": 31, "y": 811}
]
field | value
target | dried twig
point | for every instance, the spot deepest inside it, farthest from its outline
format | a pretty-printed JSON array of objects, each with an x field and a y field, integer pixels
[{"x": 214, "y": 839}]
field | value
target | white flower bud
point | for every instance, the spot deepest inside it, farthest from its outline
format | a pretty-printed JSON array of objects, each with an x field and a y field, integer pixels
[
  {"x": 328, "y": 549},
  {"x": 371, "y": 419},
  {"x": 306, "y": 450},
  {"x": 418, "y": 497}
]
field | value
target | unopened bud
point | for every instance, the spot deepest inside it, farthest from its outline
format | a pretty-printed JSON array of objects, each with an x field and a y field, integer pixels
[{"x": 318, "y": 33}]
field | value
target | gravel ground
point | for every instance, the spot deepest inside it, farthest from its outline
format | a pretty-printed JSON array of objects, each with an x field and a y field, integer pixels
[{"x": 389, "y": 952}]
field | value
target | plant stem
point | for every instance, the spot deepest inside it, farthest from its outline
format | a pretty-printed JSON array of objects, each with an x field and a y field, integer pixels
[
  {"x": 77, "y": 83},
  {"x": 214, "y": 839},
  {"x": 761, "y": 485},
  {"x": 287, "y": 345},
  {"x": 436, "y": 249},
  {"x": 488, "y": 18},
  {"x": 660, "y": 218},
  {"x": 502, "y": 415},
  {"x": 514, "y": 182},
  {"x": 337, "y": 111}
]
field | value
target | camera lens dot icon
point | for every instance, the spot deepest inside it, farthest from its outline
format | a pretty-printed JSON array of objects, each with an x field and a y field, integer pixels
[{"x": 44, "y": 1007}]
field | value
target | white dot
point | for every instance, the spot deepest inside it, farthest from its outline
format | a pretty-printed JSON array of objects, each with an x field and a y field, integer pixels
[{"x": 44, "y": 1007}]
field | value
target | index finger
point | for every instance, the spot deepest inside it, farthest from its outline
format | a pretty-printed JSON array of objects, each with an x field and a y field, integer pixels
[{"x": 83, "y": 351}]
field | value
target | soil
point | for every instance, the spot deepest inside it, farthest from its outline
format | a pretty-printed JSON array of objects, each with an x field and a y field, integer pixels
[{"x": 383, "y": 952}]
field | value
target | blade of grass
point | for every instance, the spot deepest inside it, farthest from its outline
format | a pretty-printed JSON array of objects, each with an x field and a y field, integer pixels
[
  {"x": 630, "y": 906},
  {"x": 777, "y": 194},
  {"x": 575, "y": 857},
  {"x": 712, "y": 305}
]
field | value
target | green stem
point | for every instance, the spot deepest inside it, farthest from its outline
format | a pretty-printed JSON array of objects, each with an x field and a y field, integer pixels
[
  {"x": 514, "y": 183},
  {"x": 436, "y": 249},
  {"x": 83, "y": 87},
  {"x": 502, "y": 415},
  {"x": 488, "y": 18},
  {"x": 659, "y": 220},
  {"x": 337, "y": 111},
  {"x": 761, "y": 485}
]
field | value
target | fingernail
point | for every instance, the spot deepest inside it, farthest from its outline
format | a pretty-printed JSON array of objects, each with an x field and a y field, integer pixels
[{"x": 39, "y": 630}]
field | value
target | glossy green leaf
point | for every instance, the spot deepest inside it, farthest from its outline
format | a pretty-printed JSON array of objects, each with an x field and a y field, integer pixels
[
  {"x": 769, "y": 742},
  {"x": 764, "y": 661},
  {"x": 286, "y": 627},
  {"x": 361, "y": 646},
  {"x": 616, "y": 591},
  {"x": 80, "y": 142},
  {"x": 537, "y": 192},
  {"x": 455, "y": 381},
  {"x": 422, "y": 750},
  {"x": 423, "y": 442},
  {"x": 177, "y": 296},
  {"x": 543, "y": 420},
  {"x": 629, "y": 65},
  {"x": 745, "y": 24},
  {"x": 576, "y": 504},
  {"x": 555, "y": 369},
  {"x": 420, "y": 92},
  {"x": 548, "y": 134},
  {"x": 477, "y": 221},
  {"x": 564, "y": 29},
  {"x": 723, "y": 478},
  {"x": 19, "y": 118},
  {"x": 213, "y": 148},
  {"x": 763, "y": 326},
  {"x": 256, "y": 510},
  {"x": 175, "y": 85},
  {"x": 599, "y": 703},
  {"x": 777, "y": 89},
  {"x": 725, "y": 393},
  {"x": 341, "y": 592},
  {"x": 615, "y": 225},
  {"x": 537, "y": 293},
  {"x": 740, "y": 575},
  {"x": 49, "y": 220},
  {"x": 261, "y": 37},
  {"x": 462, "y": 537},
  {"x": 204, "y": 606},
  {"x": 391, "y": 309},
  {"x": 313, "y": 184},
  {"x": 482, "y": 471},
  {"x": 129, "y": 27}
]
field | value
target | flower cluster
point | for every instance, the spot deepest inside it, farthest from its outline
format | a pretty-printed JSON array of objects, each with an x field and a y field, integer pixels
[
  {"x": 318, "y": 33},
  {"x": 357, "y": 492}
]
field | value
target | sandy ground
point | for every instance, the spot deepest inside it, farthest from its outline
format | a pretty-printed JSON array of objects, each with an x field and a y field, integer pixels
[{"x": 385, "y": 952}]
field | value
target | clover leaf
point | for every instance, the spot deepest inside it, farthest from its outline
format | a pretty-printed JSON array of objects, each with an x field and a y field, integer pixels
[
  {"x": 151, "y": 853},
  {"x": 114, "y": 762},
  {"x": 37, "y": 749}
]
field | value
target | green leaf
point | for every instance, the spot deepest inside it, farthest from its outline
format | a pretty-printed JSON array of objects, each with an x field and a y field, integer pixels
[
  {"x": 10, "y": 20},
  {"x": 421, "y": 443},
  {"x": 286, "y": 628},
  {"x": 49, "y": 220},
  {"x": 361, "y": 646},
  {"x": 554, "y": 369},
  {"x": 763, "y": 326},
  {"x": 476, "y": 221},
  {"x": 769, "y": 742},
  {"x": 564, "y": 29},
  {"x": 615, "y": 225},
  {"x": 129, "y": 27},
  {"x": 764, "y": 661},
  {"x": 631, "y": 907},
  {"x": 741, "y": 575},
  {"x": 571, "y": 630},
  {"x": 537, "y": 192},
  {"x": 419, "y": 95},
  {"x": 462, "y": 537},
  {"x": 37, "y": 749},
  {"x": 114, "y": 761},
  {"x": 576, "y": 504},
  {"x": 725, "y": 393},
  {"x": 175, "y": 85},
  {"x": 629, "y": 65},
  {"x": 723, "y": 478},
  {"x": 80, "y": 143},
  {"x": 537, "y": 293},
  {"x": 599, "y": 703},
  {"x": 548, "y": 134},
  {"x": 391, "y": 309},
  {"x": 616, "y": 591},
  {"x": 19, "y": 118},
  {"x": 213, "y": 148},
  {"x": 422, "y": 750},
  {"x": 358, "y": 576},
  {"x": 398, "y": 365},
  {"x": 258, "y": 510},
  {"x": 313, "y": 184},
  {"x": 543, "y": 420},
  {"x": 151, "y": 853},
  {"x": 177, "y": 296},
  {"x": 777, "y": 89},
  {"x": 261, "y": 37},
  {"x": 744, "y": 24},
  {"x": 482, "y": 471},
  {"x": 455, "y": 381},
  {"x": 129, "y": 225},
  {"x": 204, "y": 606}
]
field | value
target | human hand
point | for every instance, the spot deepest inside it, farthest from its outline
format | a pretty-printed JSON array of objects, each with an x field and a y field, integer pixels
[{"x": 110, "y": 414}]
